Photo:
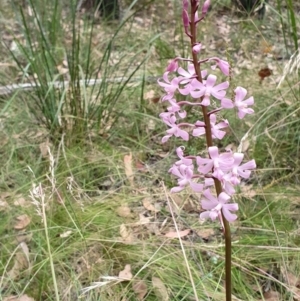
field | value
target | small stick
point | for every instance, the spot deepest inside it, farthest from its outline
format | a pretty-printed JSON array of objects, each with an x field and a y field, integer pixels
[{"x": 9, "y": 89}]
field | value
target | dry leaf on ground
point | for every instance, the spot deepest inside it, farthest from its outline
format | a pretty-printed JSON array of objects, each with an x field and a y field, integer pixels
[
  {"x": 149, "y": 95},
  {"x": 140, "y": 166},
  {"x": 22, "y": 222},
  {"x": 3, "y": 205},
  {"x": 24, "y": 237},
  {"x": 22, "y": 202},
  {"x": 176, "y": 234},
  {"x": 16, "y": 298},
  {"x": 147, "y": 203},
  {"x": 21, "y": 262},
  {"x": 152, "y": 96},
  {"x": 293, "y": 283},
  {"x": 296, "y": 293},
  {"x": 128, "y": 168},
  {"x": 140, "y": 288},
  {"x": 4, "y": 195},
  {"x": 126, "y": 234},
  {"x": 160, "y": 289},
  {"x": 144, "y": 220},
  {"x": 124, "y": 211},
  {"x": 245, "y": 145},
  {"x": 206, "y": 233},
  {"x": 272, "y": 296},
  {"x": 126, "y": 273},
  {"x": 44, "y": 149},
  {"x": 289, "y": 277}
]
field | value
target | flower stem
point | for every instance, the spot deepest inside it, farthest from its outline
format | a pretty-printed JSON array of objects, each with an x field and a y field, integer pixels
[
  {"x": 227, "y": 235},
  {"x": 209, "y": 142}
]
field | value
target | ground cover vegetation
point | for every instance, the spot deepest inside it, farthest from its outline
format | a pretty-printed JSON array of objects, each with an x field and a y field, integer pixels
[{"x": 85, "y": 204}]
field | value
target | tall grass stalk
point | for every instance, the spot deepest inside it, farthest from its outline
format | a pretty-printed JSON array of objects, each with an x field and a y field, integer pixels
[
  {"x": 43, "y": 206},
  {"x": 182, "y": 247},
  {"x": 38, "y": 197}
]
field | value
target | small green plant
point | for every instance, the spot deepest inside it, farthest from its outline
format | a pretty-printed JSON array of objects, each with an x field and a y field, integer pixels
[{"x": 85, "y": 94}]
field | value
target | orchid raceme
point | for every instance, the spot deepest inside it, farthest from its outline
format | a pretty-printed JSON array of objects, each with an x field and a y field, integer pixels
[
  {"x": 215, "y": 173},
  {"x": 190, "y": 78}
]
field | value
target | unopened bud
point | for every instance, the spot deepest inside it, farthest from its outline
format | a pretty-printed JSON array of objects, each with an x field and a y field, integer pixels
[
  {"x": 185, "y": 18},
  {"x": 173, "y": 66},
  {"x": 185, "y": 4},
  {"x": 205, "y": 7},
  {"x": 197, "y": 47}
]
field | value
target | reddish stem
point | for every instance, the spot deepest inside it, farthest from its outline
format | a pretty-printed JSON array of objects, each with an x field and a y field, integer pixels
[{"x": 209, "y": 142}]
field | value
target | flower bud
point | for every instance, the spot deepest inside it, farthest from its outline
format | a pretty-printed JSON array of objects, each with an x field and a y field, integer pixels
[
  {"x": 185, "y": 4},
  {"x": 185, "y": 18},
  {"x": 197, "y": 47},
  {"x": 205, "y": 7},
  {"x": 173, "y": 66},
  {"x": 223, "y": 65}
]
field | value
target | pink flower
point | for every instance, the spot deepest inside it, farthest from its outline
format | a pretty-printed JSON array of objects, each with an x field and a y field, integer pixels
[
  {"x": 205, "y": 7},
  {"x": 216, "y": 205},
  {"x": 173, "y": 66},
  {"x": 208, "y": 89},
  {"x": 226, "y": 103},
  {"x": 185, "y": 18},
  {"x": 242, "y": 105},
  {"x": 187, "y": 76},
  {"x": 227, "y": 186},
  {"x": 223, "y": 65},
  {"x": 208, "y": 182},
  {"x": 217, "y": 164},
  {"x": 185, "y": 4},
  {"x": 215, "y": 128},
  {"x": 169, "y": 119},
  {"x": 184, "y": 173},
  {"x": 200, "y": 129},
  {"x": 197, "y": 19},
  {"x": 183, "y": 160},
  {"x": 238, "y": 170},
  {"x": 169, "y": 86},
  {"x": 175, "y": 108},
  {"x": 197, "y": 47}
]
